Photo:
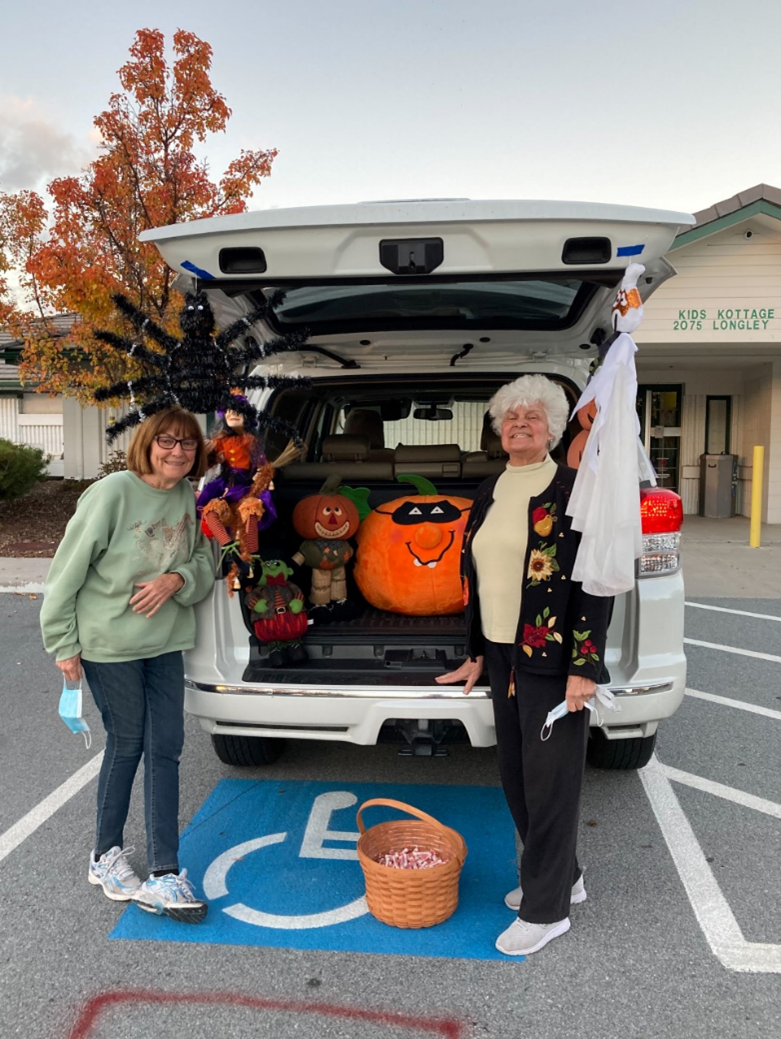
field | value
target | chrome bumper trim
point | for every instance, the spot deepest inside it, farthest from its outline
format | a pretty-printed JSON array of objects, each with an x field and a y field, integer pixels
[
  {"x": 641, "y": 690},
  {"x": 391, "y": 693},
  {"x": 339, "y": 692}
]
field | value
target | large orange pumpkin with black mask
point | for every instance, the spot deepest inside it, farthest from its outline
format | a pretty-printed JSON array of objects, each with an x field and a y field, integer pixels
[{"x": 409, "y": 553}]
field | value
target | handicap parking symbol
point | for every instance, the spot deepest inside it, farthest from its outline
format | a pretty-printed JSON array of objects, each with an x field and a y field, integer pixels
[{"x": 277, "y": 862}]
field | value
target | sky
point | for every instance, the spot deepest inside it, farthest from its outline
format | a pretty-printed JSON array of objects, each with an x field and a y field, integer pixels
[{"x": 676, "y": 105}]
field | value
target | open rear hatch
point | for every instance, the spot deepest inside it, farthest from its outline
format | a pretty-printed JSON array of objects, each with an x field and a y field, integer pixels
[{"x": 368, "y": 280}]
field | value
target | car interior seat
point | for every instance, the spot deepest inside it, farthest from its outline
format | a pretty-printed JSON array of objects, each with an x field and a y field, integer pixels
[{"x": 362, "y": 422}]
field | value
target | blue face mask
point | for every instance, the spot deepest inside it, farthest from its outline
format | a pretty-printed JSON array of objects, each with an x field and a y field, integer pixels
[{"x": 70, "y": 710}]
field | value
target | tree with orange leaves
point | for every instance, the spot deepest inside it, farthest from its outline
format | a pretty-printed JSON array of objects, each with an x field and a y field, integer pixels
[{"x": 147, "y": 175}]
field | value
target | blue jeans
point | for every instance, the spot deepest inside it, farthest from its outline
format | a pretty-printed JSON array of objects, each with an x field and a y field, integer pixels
[{"x": 142, "y": 706}]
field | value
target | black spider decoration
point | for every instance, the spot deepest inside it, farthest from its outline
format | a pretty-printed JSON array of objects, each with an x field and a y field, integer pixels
[{"x": 198, "y": 371}]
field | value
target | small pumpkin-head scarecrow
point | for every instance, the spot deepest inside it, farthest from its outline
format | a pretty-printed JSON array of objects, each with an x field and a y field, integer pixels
[
  {"x": 409, "y": 552},
  {"x": 326, "y": 520},
  {"x": 278, "y": 614}
]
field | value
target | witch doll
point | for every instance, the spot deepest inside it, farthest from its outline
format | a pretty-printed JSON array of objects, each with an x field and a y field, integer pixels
[{"x": 233, "y": 504}]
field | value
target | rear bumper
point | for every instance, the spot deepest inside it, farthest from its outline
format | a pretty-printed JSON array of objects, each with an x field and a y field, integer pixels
[
  {"x": 357, "y": 717},
  {"x": 332, "y": 714}
]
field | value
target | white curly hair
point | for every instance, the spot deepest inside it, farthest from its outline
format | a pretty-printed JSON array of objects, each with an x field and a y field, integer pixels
[{"x": 528, "y": 390}]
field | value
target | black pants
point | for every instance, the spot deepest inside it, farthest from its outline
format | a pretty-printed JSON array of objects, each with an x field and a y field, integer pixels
[{"x": 542, "y": 782}]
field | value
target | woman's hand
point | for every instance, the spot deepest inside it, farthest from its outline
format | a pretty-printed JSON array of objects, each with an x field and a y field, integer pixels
[
  {"x": 155, "y": 593},
  {"x": 71, "y": 668},
  {"x": 469, "y": 672},
  {"x": 579, "y": 692}
]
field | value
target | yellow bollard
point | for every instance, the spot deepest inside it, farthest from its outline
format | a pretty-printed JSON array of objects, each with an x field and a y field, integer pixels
[{"x": 757, "y": 475}]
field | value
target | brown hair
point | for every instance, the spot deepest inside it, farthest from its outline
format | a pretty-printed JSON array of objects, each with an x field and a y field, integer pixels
[{"x": 173, "y": 421}]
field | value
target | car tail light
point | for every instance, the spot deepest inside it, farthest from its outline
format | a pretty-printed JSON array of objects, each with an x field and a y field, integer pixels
[{"x": 661, "y": 515}]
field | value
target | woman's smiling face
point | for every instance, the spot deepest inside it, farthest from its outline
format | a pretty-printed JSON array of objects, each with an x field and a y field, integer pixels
[{"x": 525, "y": 434}]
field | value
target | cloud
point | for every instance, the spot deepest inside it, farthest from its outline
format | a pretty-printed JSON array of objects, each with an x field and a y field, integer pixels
[{"x": 33, "y": 149}]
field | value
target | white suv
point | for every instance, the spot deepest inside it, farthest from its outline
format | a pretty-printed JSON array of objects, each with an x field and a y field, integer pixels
[{"x": 417, "y": 312}]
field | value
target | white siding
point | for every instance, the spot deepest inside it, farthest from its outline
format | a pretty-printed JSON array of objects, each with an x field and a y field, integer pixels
[
  {"x": 43, "y": 431},
  {"x": 9, "y": 414},
  {"x": 720, "y": 272}
]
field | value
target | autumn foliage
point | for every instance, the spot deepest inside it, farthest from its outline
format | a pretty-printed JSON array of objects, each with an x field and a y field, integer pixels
[{"x": 146, "y": 175}]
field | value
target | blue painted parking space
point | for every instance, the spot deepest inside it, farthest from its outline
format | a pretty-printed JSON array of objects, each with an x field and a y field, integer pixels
[{"x": 277, "y": 862}]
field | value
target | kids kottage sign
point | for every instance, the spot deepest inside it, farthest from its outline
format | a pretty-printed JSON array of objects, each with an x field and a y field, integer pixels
[{"x": 725, "y": 319}]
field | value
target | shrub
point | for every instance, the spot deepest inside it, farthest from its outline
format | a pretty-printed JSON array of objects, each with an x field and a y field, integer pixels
[
  {"x": 115, "y": 463},
  {"x": 21, "y": 467}
]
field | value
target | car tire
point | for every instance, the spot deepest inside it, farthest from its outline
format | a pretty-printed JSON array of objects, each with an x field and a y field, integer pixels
[
  {"x": 631, "y": 753},
  {"x": 247, "y": 751}
]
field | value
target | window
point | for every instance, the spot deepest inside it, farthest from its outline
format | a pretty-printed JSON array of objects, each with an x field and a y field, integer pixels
[
  {"x": 553, "y": 302},
  {"x": 718, "y": 416}
]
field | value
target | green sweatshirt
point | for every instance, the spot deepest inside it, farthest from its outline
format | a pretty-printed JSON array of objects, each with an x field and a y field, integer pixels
[{"x": 124, "y": 531}]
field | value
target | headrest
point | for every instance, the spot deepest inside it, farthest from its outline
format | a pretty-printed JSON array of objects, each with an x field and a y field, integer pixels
[
  {"x": 364, "y": 423},
  {"x": 492, "y": 445},
  {"x": 486, "y": 432},
  {"x": 428, "y": 453},
  {"x": 345, "y": 449}
]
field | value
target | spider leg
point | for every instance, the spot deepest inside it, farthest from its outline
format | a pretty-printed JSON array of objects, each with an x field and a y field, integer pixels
[
  {"x": 260, "y": 351},
  {"x": 143, "y": 323},
  {"x": 134, "y": 350},
  {"x": 133, "y": 418},
  {"x": 276, "y": 382},
  {"x": 243, "y": 324},
  {"x": 128, "y": 386},
  {"x": 272, "y": 424}
]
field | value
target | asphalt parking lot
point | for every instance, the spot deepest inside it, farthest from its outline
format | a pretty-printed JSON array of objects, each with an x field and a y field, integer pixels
[{"x": 680, "y": 936}]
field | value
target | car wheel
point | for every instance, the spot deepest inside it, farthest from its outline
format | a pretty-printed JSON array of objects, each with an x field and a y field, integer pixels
[
  {"x": 630, "y": 753},
  {"x": 244, "y": 751}
]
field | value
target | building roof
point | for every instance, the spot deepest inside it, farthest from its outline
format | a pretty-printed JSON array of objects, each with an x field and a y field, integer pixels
[
  {"x": 10, "y": 348},
  {"x": 762, "y": 198}
]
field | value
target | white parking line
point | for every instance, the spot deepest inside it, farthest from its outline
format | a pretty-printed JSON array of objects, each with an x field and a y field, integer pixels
[
  {"x": 728, "y": 793},
  {"x": 734, "y": 649},
  {"x": 727, "y": 701},
  {"x": 741, "y": 613},
  {"x": 37, "y": 816},
  {"x": 711, "y": 908}
]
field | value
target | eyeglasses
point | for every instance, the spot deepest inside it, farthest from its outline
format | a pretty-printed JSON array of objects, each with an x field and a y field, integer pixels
[{"x": 168, "y": 443}]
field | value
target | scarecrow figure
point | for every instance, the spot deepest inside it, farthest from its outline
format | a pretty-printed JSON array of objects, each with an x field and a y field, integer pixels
[{"x": 326, "y": 520}]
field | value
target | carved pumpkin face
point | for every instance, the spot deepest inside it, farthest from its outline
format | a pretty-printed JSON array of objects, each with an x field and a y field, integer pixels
[
  {"x": 330, "y": 516},
  {"x": 409, "y": 552}
]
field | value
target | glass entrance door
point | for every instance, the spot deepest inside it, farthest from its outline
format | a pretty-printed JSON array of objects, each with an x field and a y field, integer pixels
[{"x": 659, "y": 408}]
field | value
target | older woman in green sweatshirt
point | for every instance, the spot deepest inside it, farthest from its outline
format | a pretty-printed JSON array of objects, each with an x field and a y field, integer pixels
[{"x": 118, "y": 606}]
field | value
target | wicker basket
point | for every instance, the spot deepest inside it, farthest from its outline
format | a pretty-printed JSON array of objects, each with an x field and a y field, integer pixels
[{"x": 410, "y": 897}]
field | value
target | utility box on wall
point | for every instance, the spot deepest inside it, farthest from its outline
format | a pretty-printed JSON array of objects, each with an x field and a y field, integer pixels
[{"x": 718, "y": 485}]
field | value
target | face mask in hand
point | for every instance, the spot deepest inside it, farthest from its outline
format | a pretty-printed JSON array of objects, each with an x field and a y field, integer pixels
[
  {"x": 602, "y": 693},
  {"x": 70, "y": 710}
]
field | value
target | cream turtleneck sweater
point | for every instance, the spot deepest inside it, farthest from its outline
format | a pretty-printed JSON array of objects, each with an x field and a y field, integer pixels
[{"x": 499, "y": 547}]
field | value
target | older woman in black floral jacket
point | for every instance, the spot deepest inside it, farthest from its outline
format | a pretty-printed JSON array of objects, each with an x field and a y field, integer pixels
[{"x": 543, "y": 640}]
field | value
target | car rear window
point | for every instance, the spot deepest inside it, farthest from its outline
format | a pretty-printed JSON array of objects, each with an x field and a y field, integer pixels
[{"x": 548, "y": 303}]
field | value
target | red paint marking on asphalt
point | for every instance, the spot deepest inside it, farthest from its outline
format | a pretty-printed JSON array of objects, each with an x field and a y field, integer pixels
[{"x": 94, "y": 1007}]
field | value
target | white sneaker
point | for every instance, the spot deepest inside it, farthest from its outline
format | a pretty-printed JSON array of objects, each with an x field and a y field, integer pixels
[
  {"x": 114, "y": 874},
  {"x": 522, "y": 938},
  {"x": 171, "y": 895},
  {"x": 513, "y": 898}
]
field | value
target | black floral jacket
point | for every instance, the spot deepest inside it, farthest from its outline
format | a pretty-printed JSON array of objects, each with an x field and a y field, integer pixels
[{"x": 561, "y": 629}]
